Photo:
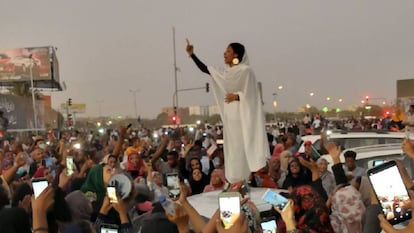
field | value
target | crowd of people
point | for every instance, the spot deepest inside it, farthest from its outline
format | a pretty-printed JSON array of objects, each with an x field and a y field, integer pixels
[
  {"x": 83, "y": 182},
  {"x": 320, "y": 200}
]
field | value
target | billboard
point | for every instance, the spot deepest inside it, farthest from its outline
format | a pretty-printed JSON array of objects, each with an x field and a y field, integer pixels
[
  {"x": 78, "y": 108},
  {"x": 24, "y": 64}
]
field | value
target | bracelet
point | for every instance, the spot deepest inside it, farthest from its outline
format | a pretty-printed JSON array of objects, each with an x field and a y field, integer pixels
[
  {"x": 292, "y": 231},
  {"x": 44, "y": 229}
]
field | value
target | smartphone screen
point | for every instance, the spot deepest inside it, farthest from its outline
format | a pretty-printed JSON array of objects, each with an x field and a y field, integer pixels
[
  {"x": 229, "y": 204},
  {"x": 111, "y": 192},
  {"x": 109, "y": 228},
  {"x": 391, "y": 192},
  {"x": 220, "y": 141},
  {"x": 173, "y": 184},
  {"x": 70, "y": 168},
  {"x": 275, "y": 199},
  {"x": 39, "y": 185},
  {"x": 269, "y": 226}
]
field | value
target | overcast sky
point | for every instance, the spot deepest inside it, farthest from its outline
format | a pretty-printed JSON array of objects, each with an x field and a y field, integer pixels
[{"x": 341, "y": 49}]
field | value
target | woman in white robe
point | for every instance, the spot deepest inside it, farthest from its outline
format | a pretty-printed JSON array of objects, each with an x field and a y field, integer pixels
[{"x": 237, "y": 95}]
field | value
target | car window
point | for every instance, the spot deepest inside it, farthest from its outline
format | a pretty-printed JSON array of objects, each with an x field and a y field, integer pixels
[
  {"x": 317, "y": 144},
  {"x": 369, "y": 163},
  {"x": 358, "y": 142},
  {"x": 392, "y": 140}
]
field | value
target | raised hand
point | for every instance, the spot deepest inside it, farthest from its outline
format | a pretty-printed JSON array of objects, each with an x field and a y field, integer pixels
[
  {"x": 189, "y": 48},
  {"x": 240, "y": 226},
  {"x": 334, "y": 151}
]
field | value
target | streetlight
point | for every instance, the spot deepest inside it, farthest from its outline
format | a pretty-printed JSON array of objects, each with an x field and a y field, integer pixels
[
  {"x": 340, "y": 100},
  {"x": 134, "y": 94},
  {"x": 280, "y": 87},
  {"x": 311, "y": 94},
  {"x": 328, "y": 98},
  {"x": 33, "y": 94}
]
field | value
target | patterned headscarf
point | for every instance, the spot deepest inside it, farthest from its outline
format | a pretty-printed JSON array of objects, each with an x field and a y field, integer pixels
[
  {"x": 347, "y": 210},
  {"x": 311, "y": 213}
]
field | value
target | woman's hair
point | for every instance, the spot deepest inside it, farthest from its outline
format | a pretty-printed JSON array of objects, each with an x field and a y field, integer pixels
[{"x": 238, "y": 49}]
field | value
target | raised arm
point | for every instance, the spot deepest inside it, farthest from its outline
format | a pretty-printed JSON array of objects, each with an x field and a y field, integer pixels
[{"x": 200, "y": 64}]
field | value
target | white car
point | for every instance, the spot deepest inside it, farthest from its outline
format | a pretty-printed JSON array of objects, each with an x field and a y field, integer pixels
[
  {"x": 207, "y": 203},
  {"x": 370, "y": 156},
  {"x": 355, "y": 139}
]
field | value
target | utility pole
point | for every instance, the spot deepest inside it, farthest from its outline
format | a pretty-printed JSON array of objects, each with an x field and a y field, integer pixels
[{"x": 175, "y": 100}]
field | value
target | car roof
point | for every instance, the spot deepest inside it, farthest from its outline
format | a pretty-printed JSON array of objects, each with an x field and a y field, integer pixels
[
  {"x": 377, "y": 134},
  {"x": 364, "y": 152},
  {"x": 347, "y": 135},
  {"x": 207, "y": 203}
]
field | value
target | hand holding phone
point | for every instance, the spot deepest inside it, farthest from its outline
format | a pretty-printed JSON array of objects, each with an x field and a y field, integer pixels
[
  {"x": 111, "y": 192},
  {"x": 39, "y": 184},
  {"x": 391, "y": 192},
  {"x": 109, "y": 228},
  {"x": 173, "y": 184},
  {"x": 269, "y": 225},
  {"x": 229, "y": 204},
  {"x": 275, "y": 199},
  {"x": 70, "y": 166}
]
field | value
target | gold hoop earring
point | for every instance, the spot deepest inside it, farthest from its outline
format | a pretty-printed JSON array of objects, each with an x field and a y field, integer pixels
[{"x": 235, "y": 61}]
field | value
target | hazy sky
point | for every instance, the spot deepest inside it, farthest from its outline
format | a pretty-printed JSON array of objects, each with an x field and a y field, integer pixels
[{"x": 341, "y": 49}]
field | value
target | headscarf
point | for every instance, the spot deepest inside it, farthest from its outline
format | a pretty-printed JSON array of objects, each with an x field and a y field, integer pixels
[
  {"x": 274, "y": 171},
  {"x": 311, "y": 213},
  {"x": 79, "y": 205},
  {"x": 347, "y": 210},
  {"x": 40, "y": 172},
  {"x": 140, "y": 167},
  {"x": 301, "y": 179},
  {"x": 94, "y": 187},
  {"x": 284, "y": 160},
  {"x": 279, "y": 148},
  {"x": 211, "y": 187},
  {"x": 197, "y": 187}
]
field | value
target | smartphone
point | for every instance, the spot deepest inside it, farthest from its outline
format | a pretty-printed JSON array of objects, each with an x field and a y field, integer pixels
[
  {"x": 111, "y": 192},
  {"x": 220, "y": 141},
  {"x": 39, "y": 184},
  {"x": 70, "y": 168},
  {"x": 211, "y": 149},
  {"x": 269, "y": 225},
  {"x": 109, "y": 228},
  {"x": 129, "y": 125},
  {"x": 275, "y": 199},
  {"x": 173, "y": 184},
  {"x": 229, "y": 204},
  {"x": 77, "y": 146},
  {"x": 391, "y": 192},
  {"x": 315, "y": 154}
]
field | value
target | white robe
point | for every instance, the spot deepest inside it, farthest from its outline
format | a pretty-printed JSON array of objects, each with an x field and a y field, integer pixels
[{"x": 245, "y": 140}]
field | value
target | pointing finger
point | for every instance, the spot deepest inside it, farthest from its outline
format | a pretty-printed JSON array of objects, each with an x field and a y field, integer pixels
[{"x": 188, "y": 42}]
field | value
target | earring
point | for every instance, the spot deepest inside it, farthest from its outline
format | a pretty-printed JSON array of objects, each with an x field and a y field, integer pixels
[{"x": 235, "y": 61}]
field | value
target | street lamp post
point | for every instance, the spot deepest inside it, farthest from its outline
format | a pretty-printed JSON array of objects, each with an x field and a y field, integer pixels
[
  {"x": 33, "y": 94},
  {"x": 134, "y": 93}
]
